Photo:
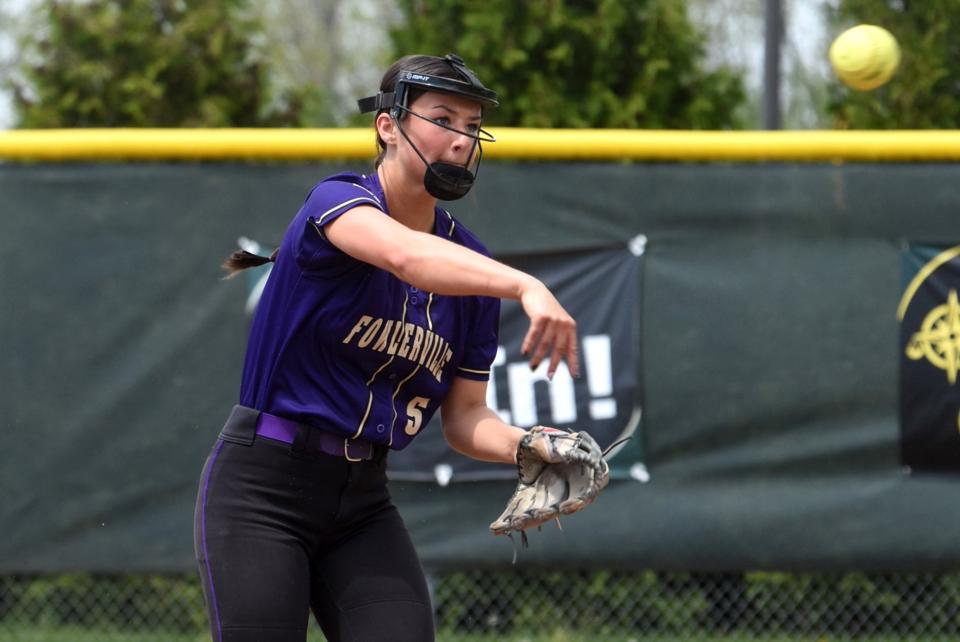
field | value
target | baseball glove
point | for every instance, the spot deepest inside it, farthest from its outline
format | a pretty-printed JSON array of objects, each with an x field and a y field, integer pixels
[{"x": 560, "y": 473}]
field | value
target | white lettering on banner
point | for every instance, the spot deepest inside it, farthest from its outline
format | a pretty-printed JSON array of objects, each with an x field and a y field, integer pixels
[
  {"x": 498, "y": 360},
  {"x": 596, "y": 360},
  {"x": 523, "y": 403},
  {"x": 596, "y": 352}
]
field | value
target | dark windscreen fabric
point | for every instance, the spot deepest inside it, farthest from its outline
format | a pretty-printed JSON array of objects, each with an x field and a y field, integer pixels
[{"x": 766, "y": 361}]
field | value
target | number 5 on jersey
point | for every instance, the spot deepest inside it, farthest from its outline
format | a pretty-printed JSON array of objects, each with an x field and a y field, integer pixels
[{"x": 414, "y": 415}]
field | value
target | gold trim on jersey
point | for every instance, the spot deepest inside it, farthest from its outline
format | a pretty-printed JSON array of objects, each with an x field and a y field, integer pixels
[
  {"x": 453, "y": 222},
  {"x": 333, "y": 209},
  {"x": 366, "y": 414},
  {"x": 393, "y": 424},
  {"x": 368, "y": 192},
  {"x": 486, "y": 372}
]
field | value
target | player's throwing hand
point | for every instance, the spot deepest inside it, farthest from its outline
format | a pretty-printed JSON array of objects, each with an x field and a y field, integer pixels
[{"x": 552, "y": 330}]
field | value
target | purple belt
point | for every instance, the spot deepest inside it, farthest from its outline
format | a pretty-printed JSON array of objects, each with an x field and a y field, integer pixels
[{"x": 285, "y": 430}]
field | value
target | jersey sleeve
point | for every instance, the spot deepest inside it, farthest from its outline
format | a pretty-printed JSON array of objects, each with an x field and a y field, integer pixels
[
  {"x": 481, "y": 346},
  {"x": 327, "y": 201}
]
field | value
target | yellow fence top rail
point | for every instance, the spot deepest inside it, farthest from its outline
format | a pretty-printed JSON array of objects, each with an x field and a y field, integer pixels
[{"x": 512, "y": 143}]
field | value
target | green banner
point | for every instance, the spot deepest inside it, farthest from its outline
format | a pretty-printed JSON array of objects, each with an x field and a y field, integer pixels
[{"x": 767, "y": 361}]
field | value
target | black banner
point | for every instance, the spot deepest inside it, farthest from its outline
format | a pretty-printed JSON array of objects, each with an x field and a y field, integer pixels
[
  {"x": 929, "y": 315},
  {"x": 600, "y": 289}
]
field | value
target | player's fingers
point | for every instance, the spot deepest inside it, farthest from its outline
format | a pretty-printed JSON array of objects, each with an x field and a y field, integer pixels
[
  {"x": 565, "y": 347},
  {"x": 565, "y": 338},
  {"x": 573, "y": 360},
  {"x": 555, "y": 358},
  {"x": 544, "y": 344},
  {"x": 533, "y": 335}
]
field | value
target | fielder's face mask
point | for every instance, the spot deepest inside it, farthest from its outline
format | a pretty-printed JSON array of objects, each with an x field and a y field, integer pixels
[{"x": 445, "y": 181}]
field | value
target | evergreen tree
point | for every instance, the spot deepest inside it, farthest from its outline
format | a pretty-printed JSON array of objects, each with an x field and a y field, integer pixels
[
  {"x": 580, "y": 63},
  {"x": 142, "y": 63}
]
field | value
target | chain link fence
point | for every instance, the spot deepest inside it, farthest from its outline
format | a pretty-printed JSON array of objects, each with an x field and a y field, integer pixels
[{"x": 524, "y": 605}]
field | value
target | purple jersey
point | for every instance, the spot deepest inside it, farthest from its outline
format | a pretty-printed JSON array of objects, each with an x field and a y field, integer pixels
[{"x": 345, "y": 346}]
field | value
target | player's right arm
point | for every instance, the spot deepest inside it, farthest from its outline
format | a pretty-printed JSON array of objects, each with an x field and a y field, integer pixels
[{"x": 436, "y": 265}]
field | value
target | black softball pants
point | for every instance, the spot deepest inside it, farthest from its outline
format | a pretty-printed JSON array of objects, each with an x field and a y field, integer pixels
[{"x": 279, "y": 533}]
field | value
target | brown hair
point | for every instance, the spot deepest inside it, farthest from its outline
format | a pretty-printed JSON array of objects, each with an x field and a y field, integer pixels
[{"x": 241, "y": 260}]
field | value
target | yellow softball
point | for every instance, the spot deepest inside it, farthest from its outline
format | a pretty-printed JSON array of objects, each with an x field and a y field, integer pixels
[{"x": 865, "y": 57}]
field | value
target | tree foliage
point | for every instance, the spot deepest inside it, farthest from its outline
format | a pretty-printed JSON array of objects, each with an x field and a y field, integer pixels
[
  {"x": 580, "y": 63},
  {"x": 925, "y": 92},
  {"x": 137, "y": 63}
]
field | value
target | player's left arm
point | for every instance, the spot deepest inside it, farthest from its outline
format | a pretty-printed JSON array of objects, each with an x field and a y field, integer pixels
[{"x": 472, "y": 428}]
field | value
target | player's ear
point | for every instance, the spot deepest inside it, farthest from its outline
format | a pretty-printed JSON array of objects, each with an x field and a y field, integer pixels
[{"x": 387, "y": 129}]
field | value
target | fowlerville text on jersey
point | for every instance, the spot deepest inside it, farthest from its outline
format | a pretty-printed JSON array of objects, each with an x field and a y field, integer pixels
[{"x": 406, "y": 340}]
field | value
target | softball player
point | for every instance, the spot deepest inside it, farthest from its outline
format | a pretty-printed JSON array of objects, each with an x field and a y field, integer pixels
[{"x": 380, "y": 309}]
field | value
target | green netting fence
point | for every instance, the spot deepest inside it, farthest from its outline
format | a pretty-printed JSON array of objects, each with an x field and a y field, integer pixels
[{"x": 533, "y": 606}]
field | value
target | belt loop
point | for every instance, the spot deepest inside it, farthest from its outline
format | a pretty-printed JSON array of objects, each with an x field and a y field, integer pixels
[{"x": 301, "y": 443}]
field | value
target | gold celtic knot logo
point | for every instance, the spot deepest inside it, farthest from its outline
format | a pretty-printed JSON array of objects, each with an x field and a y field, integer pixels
[{"x": 939, "y": 338}]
